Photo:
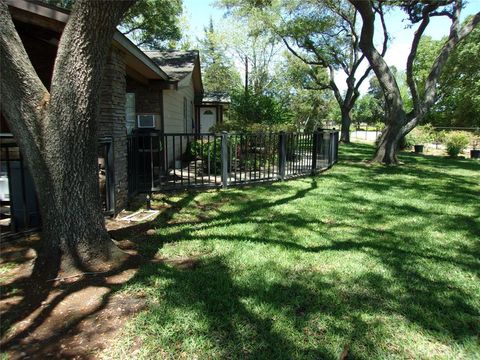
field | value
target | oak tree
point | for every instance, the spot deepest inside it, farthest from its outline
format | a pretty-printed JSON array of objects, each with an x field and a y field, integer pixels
[
  {"x": 399, "y": 121},
  {"x": 55, "y": 130}
]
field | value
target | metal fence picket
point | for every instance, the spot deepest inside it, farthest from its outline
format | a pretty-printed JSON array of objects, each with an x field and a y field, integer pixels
[{"x": 159, "y": 161}]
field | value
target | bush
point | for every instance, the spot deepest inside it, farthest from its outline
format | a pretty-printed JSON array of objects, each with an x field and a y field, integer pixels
[
  {"x": 420, "y": 135},
  {"x": 209, "y": 152},
  {"x": 252, "y": 128},
  {"x": 456, "y": 142}
]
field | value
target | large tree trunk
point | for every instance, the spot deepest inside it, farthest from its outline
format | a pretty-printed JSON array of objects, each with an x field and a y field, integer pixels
[
  {"x": 346, "y": 122},
  {"x": 395, "y": 117},
  {"x": 56, "y": 132},
  {"x": 398, "y": 124},
  {"x": 388, "y": 145}
]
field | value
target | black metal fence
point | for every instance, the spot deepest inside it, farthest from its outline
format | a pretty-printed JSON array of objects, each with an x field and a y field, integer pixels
[
  {"x": 18, "y": 201},
  {"x": 159, "y": 161},
  {"x": 19, "y": 210}
]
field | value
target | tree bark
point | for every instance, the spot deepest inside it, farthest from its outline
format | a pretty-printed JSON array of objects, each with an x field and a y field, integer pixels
[
  {"x": 399, "y": 123},
  {"x": 56, "y": 131},
  {"x": 346, "y": 122},
  {"x": 350, "y": 67}
]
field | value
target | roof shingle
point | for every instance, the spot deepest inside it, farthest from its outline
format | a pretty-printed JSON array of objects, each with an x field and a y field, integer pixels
[{"x": 177, "y": 64}]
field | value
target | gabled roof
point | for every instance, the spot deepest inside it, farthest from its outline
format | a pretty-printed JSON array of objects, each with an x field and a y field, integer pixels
[
  {"x": 216, "y": 98},
  {"x": 177, "y": 64}
]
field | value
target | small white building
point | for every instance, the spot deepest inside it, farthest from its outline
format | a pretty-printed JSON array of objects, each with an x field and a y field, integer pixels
[{"x": 212, "y": 110}]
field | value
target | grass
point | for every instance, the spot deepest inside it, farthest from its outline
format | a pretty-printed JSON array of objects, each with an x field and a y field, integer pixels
[{"x": 381, "y": 260}]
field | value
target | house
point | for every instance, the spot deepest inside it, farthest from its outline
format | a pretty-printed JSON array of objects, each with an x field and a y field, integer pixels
[
  {"x": 179, "y": 103},
  {"x": 150, "y": 92},
  {"x": 211, "y": 110}
]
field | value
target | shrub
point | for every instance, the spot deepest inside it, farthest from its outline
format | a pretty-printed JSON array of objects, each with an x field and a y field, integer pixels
[
  {"x": 420, "y": 135},
  {"x": 476, "y": 140},
  {"x": 209, "y": 152},
  {"x": 456, "y": 142},
  {"x": 232, "y": 126}
]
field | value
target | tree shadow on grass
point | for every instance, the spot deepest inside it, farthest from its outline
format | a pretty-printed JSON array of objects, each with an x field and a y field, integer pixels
[
  {"x": 293, "y": 315},
  {"x": 206, "y": 312},
  {"x": 35, "y": 303},
  {"x": 322, "y": 311},
  {"x": 23, "y": 299}
]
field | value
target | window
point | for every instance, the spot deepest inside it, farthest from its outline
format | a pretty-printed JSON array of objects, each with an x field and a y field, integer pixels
[
  {"x": 192, "y": 116},
  {"x": 185, "y": 115},
  {"x": 130, "y": 112}
]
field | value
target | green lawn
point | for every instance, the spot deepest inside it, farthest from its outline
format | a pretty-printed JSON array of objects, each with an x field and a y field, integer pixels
[{"x": 385, "y": 260}]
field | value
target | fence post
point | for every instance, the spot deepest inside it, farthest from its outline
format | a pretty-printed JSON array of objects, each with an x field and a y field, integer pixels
[
  {"x": 282, "y": 155},
  {"x": 336, "y": 140},
  {"x": 224, "y": 157},
  {"x": 314, "y": 151},
  {"x": 327, "y": 143},
  {"x": 332, "y": 146}
]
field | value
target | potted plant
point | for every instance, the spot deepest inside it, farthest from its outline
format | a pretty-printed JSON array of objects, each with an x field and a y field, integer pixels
[{"x": 419, "y": 137}]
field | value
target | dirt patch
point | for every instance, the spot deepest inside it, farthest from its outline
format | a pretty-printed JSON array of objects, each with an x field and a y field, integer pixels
[{"x": 75, "y": 318}]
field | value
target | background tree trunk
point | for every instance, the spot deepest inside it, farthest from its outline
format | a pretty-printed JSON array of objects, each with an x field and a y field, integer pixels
[
  {"x": 57, "y": 131},
  {"x": 346, "y": 122},
  {"x": 398, "y": 123},
  {"x": 388, "y": 145}
]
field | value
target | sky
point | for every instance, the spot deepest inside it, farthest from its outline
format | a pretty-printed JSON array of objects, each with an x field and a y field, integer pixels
[{"x": 198, "y": 13}]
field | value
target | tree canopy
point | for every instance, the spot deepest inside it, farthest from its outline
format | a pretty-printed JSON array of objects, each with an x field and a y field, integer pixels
[
  {"x": 218, "y": 70},
  {"x": 148, "y": 23},
  {"x": 321, "y": 34},
  {"x": 458, "y": 95},
  {"x": 400, "y": 121}
]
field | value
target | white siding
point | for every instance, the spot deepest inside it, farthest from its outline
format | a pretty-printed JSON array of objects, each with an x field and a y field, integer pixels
[
  {"x": 208, "y": 118},
  {"x": 173, "y": 101}
]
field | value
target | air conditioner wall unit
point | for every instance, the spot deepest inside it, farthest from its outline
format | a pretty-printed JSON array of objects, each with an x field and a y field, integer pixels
[{"x": 146, "y": 121}]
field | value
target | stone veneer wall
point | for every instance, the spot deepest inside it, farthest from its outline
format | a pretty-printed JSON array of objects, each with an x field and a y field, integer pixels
[{"x": 112, "y": 122}]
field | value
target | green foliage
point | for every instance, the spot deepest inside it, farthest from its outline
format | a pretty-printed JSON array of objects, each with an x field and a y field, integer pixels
[
  {"x": 148, "y": 23},
  {"x": 233, "y": 126},
  {"x": 318, "y": 32},
  {"x": 209, "y": 152},
  {"x": 458, "y": 91},
  {"x": 428, "y": 50},
  {"x": 265, "y": 109},
  {"x": 368, "y": 110},
  {"x": 420, "y": 135},
  {"x": 153, "y": 23},
  {"x": 218, "y": 71},
  {"x": 249, "y": 44},
  {"x": 457, "y": 141},
  {"x": 297, "y": 86}
]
